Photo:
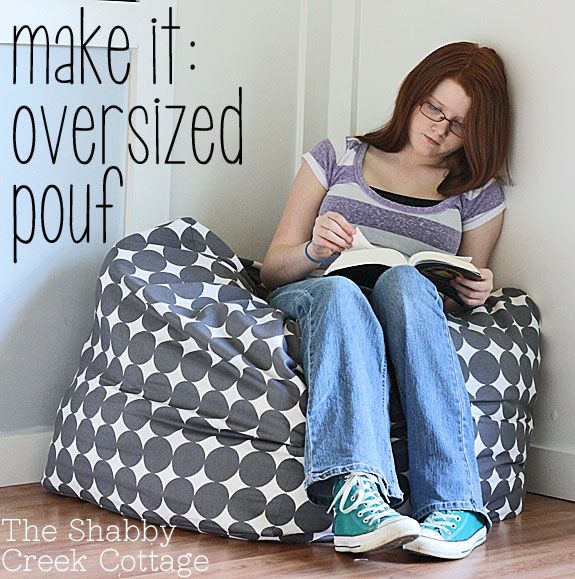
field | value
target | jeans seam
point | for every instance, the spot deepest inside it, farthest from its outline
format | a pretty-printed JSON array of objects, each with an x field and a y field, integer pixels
[
  {"x": 385, "y": 395},
  {"x": 309, "y": 445},
  {"x": 308, "y": 450},
  {"x": 353, "y": 466},
  {"x": 461, "y": 409},
  {"x": 453, "y": 505}
]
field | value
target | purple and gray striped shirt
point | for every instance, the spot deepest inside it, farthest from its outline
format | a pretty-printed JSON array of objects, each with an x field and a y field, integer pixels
[{"x": 338, "y": 166}]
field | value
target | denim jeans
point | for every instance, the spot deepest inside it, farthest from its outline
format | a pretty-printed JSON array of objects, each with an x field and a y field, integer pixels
[{"x": 349, "y": 336}]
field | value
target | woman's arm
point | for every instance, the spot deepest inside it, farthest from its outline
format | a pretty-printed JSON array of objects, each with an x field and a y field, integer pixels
[
  {"x": 478, "y": 244},
  {"x": 285, "y": 260}
]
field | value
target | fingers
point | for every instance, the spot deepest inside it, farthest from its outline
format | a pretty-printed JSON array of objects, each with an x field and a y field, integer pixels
[
  {"x": 473, "y": 293},
  {"x": 471, "y": 284},
  {"x": 484, "y": 284},
  {"x": 335, "y": 229},
  {"x": 471, "y": 298},
  {"x": 485, "y": 281},
  {"x": 344, "y": 225},
  {"x": 339, "y": 226},
  {"x": 467, "y": 292},
  {"x": 329, "y": 239},
  {"x": 336, "y": 242}
]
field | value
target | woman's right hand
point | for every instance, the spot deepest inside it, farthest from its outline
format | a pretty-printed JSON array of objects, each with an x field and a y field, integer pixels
[{"x": 331, "y": 233}]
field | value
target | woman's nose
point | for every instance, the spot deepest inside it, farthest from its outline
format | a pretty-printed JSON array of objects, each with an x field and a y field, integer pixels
[{"x": 441, "y": 127}]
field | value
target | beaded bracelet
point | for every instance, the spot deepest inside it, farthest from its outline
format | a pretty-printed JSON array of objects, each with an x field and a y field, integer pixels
[{"x": 310, "y": 257}]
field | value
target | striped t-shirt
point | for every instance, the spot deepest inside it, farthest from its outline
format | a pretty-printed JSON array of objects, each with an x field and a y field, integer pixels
[{"x": 338, "y": 166}]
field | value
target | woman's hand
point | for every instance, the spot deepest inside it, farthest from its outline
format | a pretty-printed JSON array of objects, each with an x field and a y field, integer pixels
[
  {"x": 474, "y": 293},
  {"x": 331, "y": 233}
]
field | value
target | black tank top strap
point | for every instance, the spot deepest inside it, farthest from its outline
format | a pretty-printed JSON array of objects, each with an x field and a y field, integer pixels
[{"x": 405, "y": 199}]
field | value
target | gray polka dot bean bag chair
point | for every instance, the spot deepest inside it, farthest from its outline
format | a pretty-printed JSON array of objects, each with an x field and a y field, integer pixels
[{"x": 188, "y": 407}]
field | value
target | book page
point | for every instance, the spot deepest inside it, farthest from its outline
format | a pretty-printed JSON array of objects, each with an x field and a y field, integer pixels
[
  {"x": 462, "y": 261},
  {"x": 362, "y": 252},
  {"x": 359, "y": 241}
]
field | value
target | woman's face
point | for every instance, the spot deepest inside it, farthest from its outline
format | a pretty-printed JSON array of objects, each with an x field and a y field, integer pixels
[{"x": 433, "y": 139}]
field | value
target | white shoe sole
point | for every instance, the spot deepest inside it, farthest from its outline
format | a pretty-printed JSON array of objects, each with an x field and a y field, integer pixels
[
  {"x": 393, "y": 533},
  {"x": 445, "y": 549}
]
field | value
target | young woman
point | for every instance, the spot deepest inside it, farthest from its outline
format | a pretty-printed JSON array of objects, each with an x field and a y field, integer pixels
[{"x": 425, "y": 180}]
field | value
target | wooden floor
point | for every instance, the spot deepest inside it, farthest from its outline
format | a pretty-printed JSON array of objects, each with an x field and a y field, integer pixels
[{"x": 538, "y": 543}]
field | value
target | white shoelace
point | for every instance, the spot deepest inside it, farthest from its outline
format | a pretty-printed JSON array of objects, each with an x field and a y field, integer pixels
[
  {"x": 442, "y": 521},
  {"x": 366, "y": 496}
]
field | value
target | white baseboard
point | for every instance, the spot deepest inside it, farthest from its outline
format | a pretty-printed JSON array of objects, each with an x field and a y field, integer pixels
[
  {"x": 551, "y": 473},
  {"x": 23, "y": 457}
]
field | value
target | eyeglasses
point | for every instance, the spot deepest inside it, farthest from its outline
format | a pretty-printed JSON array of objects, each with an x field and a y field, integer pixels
[{"x": 435, "y": 114}]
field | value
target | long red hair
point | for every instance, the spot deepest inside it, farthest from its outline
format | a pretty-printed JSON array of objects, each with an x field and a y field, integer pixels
[{"x": 481, "y": 74}]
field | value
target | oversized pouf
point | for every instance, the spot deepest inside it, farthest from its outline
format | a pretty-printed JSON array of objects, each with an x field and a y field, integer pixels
[{"x": 188, "y": 407}]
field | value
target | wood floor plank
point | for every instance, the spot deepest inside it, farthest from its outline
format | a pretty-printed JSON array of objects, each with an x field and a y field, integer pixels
[{"x": 538, "y": 543}]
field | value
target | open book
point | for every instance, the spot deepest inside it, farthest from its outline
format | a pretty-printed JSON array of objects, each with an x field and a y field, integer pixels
[{"x": 363, "y": 263}]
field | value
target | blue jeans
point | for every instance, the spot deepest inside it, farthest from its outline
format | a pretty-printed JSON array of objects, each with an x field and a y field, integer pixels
[{"x": 349, "y": 335}]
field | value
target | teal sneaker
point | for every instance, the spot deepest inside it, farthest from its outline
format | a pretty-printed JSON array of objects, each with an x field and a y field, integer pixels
[
  {"x": 363, "y": 519},
  {"x": 449, "y": 534}
]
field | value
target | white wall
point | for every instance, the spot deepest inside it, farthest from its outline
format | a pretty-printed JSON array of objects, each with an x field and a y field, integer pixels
[
  {"x": 254, "y": 45},
  {"x": 536, "y": 41}
]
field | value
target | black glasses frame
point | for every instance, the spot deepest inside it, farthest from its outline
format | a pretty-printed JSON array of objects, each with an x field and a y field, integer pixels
[{"x": 443, "y": 118}]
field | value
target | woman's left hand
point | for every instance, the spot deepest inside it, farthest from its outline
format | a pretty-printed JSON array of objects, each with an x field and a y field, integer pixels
[{"x": 474, "y": 293}]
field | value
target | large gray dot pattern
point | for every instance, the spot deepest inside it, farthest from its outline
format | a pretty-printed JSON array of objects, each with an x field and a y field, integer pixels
[{"x": 188, "y": 406}]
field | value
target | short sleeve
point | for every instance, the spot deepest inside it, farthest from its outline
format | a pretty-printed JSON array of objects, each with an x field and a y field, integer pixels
[
  {"x": 481, "y": 205},
  {"x": 322, "y": 161}
]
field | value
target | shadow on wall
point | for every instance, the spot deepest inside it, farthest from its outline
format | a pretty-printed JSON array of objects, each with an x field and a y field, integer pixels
[{"x": 39, "y": 353}]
